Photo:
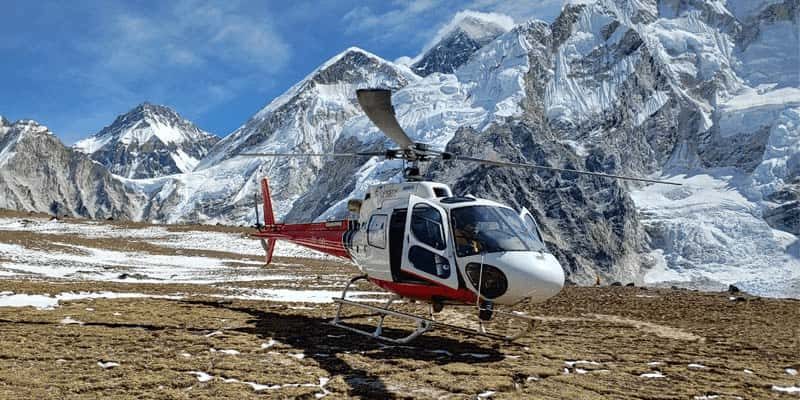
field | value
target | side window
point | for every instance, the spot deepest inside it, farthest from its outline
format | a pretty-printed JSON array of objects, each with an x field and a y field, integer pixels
[
  {"x": 376, "y": 232},
  {"x": 426, "y": 225}
]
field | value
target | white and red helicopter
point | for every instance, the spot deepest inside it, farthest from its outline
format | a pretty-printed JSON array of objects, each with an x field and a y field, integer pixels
[{"x": 420, "y": 242}]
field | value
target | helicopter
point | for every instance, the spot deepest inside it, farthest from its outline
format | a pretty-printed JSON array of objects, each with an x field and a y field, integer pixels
[{"x": 418, "y": 241}]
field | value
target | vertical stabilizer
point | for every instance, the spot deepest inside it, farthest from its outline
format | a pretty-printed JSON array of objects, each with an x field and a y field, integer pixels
[
  {"x": 269, "y": 217},
  {"x": 269, "y": 220}
]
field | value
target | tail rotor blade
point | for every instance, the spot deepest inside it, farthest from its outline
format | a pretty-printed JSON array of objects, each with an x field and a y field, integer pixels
[
  {"x": 542, "y": 167},
  {"x": 377, "y": 104}
]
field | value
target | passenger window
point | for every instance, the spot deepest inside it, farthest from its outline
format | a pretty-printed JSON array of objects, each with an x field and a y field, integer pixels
[
  {"x": 440, "y": 192},
  {"x": 376, "y": 232},
  {"x": 426, "y": 224},
  {"x": 426, "y": 261}
]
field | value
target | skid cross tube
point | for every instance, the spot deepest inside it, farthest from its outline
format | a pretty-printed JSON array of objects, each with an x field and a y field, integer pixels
[{"x": 422, "y": 324}]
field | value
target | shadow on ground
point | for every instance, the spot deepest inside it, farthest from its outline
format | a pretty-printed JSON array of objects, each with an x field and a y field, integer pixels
[{"x": 316, "y": 337}]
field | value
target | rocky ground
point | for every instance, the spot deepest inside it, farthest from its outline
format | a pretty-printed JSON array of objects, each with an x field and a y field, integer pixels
[{"x": 231, "y": 337}]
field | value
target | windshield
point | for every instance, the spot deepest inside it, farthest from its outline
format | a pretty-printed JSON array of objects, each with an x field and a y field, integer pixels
[{"x": 478, "y": 229}]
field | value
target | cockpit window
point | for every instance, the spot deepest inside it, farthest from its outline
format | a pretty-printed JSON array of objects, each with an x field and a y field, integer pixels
[{"x": 489, "y": 229}]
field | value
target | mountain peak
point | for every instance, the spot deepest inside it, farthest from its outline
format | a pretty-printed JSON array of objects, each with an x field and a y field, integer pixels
[
  {"x": 349, "y": 52},
  {"x": 148, "y": 110},
  {"x": 452, "y": 46},
  {"x": 478, "y": 25},
  {"x": 30, "y": 126},
  {"x": 12, "y": 133},
  {"x": 148, "y": 120},
  {"x": 149, "y": 140},
  {"x": 352, "y": 65}
]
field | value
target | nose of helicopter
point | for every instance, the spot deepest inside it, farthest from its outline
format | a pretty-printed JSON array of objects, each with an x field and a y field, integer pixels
[{"x": 533, "y": 275}]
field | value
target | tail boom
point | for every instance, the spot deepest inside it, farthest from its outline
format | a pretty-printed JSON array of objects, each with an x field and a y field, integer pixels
[{"x": 327, "y": 237}]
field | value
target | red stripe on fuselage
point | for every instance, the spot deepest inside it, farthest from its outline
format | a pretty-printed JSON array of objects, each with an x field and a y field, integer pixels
[{"x": 426, "y": 292}]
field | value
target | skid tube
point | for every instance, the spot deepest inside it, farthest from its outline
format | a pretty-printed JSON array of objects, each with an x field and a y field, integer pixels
[{"x": 422, "y": 324}]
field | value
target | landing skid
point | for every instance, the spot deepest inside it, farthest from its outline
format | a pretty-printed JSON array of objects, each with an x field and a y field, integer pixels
[{"x": 421, "y": 324}]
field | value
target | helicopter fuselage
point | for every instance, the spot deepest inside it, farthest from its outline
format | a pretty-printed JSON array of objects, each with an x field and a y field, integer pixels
[{"x": 417, "y": 240}]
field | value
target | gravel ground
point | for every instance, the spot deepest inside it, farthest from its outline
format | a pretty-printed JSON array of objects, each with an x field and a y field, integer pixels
[{"x": 201, "y": 341}]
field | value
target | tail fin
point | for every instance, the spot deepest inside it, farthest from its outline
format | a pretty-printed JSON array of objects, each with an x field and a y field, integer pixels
[{"x": 269, "y": 219}]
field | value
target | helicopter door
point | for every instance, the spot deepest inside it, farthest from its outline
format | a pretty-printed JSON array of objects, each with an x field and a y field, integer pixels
[
  {"x": 426, "y": 249},
  {"x": 530, "y": 223}
]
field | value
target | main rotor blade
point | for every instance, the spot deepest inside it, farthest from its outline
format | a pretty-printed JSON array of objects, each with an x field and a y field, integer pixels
[
  {"x": 534, "y": 166},
  {"x": 377, "y": 104},
  {"x": 363, "y": 154}
]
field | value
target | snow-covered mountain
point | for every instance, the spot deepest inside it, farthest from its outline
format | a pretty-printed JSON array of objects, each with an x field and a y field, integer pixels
[
  {"x": 702, "y": 92},
  {"x": 638, "y": 87},
  {"x": 147, "y": 142},
  {"x": 39, "y": 173},
  {"x": 458, "y": 40},
  {"x": 309, "y": 117},
  {"x": 431, "y": 110}
]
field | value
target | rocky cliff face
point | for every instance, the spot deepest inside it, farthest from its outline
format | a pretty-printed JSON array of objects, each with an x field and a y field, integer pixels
[
  {"x": 147, "y": 142},
  {"x": 38, "y": 173}
]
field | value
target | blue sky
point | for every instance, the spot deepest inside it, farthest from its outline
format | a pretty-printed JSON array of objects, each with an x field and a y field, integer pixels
[{"x": 75, "y": 65}]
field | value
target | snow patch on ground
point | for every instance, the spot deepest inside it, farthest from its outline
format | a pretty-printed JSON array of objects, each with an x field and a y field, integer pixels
[
  {"x": 303, "y": 296},
  {"x": 44, "y": 302},
  {"x": 786, "y": 389},
  {"x": 66, "y": 261},
  {"x": 117, "y": 266},
  {"x": 323, "y": 381},
  {"x": 70, "y": 321},
  {"x": 107, "y": 364},
  {"x": 159, "y": 235},
  {"x": 227, "y": 352}
]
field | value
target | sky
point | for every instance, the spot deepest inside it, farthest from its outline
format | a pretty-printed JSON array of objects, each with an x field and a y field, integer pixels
[{"x": 74, "y": 66}]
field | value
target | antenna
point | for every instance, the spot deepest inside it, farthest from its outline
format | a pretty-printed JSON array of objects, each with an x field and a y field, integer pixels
[{"x": 255, "y": 205}]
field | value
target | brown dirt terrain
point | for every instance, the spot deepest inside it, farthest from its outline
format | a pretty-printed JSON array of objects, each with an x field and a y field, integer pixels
[
  {"x": 589, "y": 343},
  {"x": 616, "y": 331}
]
